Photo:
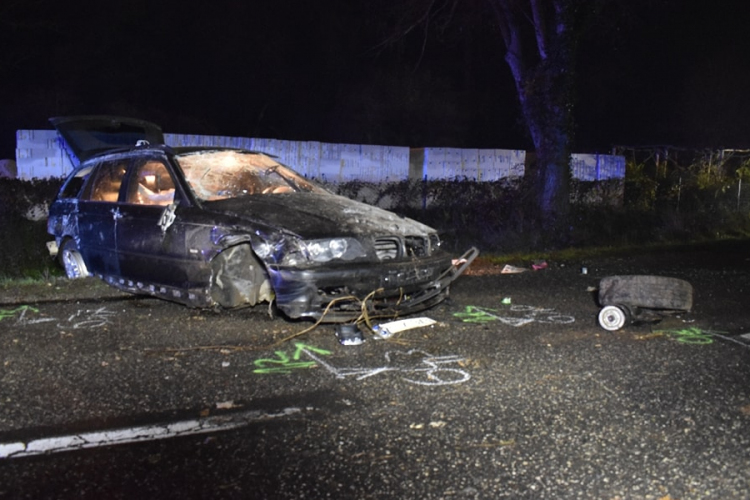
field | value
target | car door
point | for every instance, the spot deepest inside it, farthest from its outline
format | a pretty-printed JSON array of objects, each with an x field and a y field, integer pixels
[
  {"x": 98, "y": 214},
  {"x": 150, "y": 247}
]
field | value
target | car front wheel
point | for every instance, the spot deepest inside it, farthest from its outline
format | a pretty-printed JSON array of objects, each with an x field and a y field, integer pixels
[
  {"x": 239, "y": 279},
  {"x": 72, "y": 261}
]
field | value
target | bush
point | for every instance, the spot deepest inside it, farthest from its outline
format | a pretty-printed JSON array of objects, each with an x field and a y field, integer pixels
[{"x": 23, "y": 251}]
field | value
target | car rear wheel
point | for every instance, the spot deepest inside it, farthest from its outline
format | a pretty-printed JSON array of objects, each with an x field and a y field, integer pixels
[
  {"x": 72, "y": 261},
  {"x": 238, "y": 278}
]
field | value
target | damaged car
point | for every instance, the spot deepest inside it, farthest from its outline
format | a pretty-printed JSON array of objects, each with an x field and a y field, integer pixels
[{"x": 224, "y": 227}]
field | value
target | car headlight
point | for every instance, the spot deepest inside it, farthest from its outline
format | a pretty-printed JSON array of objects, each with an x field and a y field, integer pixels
[
  {"x": 292, "y": 251},
  {"x": 325, "y": 250}
]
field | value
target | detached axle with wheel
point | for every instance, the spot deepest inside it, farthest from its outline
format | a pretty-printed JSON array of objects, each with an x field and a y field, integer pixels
[{"x": 628, "y": 298}]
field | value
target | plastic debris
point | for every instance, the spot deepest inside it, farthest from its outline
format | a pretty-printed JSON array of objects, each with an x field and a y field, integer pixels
[
  {"x": 349, "y": 334},
  {"x": 508, "y": 269},
  {"x": 506, "y": 301},
  {"x": 539, "y": 265},
  {"x": 388, "y": 330}
]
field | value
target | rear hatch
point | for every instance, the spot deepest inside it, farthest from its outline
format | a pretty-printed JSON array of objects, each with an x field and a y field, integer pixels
[{"x": 87, "y": 136}]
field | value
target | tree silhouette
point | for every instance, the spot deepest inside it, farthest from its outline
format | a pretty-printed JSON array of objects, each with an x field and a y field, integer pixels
[{"x": 540, "y": 39}]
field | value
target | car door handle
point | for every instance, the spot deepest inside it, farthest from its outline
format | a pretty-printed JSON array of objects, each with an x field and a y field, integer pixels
[{"x": 167, "y": 217}]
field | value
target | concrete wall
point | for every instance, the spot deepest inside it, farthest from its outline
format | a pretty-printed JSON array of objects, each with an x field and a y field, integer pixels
[{"x": 39, "y": 155}]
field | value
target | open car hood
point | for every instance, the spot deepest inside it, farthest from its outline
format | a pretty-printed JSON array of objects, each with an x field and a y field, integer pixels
[{"x": 87, "y": 136}]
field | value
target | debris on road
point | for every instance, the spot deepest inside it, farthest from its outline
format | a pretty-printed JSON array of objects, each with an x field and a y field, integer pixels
[
  {"x": 388, "y": 330},
  {"x": 349, "y": 334},
  {"x": 508, "y": 269}
]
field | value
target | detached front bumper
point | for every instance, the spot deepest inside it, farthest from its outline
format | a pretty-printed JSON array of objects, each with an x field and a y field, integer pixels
[{"x": 341, "y": 294}]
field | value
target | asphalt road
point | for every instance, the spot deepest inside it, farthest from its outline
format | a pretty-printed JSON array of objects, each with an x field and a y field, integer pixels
[{"x": 514, "y": 392}]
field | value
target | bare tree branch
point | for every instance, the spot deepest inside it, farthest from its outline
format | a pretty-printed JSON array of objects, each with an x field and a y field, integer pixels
[
  {"x": 507, "y": 20},
  {"x": 540, "y": 28}
]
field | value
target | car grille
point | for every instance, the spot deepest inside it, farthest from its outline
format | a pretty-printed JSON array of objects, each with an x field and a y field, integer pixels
[
  {"x": 416, "y": 246},
  {"x": 387, "y": 248},
  {"x": 410, "y": 246}
]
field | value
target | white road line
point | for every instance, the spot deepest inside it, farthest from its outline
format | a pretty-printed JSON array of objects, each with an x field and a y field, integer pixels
[{"x": 218, "y": 423}]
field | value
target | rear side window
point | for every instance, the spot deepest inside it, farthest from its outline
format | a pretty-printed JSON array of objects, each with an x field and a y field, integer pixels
[
  {"x": 75, "y": 183},
  {"x": 105, "y": 185}
]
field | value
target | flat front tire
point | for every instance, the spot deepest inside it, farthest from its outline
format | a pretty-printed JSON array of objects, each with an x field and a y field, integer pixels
[{"x": 238, "y": 278}]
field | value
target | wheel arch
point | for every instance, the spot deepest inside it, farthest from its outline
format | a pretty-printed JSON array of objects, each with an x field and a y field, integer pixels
[
  {"x": 70, "y": 258},
  {"x": 238, "y": 276}
]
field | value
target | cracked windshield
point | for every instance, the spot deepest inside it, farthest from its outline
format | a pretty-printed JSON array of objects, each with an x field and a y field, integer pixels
[{"x": 219, "y": 175}]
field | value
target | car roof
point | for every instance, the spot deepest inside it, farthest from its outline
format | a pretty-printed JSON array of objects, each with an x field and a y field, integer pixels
[{"x": 87, "y": 136}]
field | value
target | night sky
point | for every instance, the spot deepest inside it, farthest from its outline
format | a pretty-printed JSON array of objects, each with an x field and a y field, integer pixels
[{"x": 650, "y": 72}]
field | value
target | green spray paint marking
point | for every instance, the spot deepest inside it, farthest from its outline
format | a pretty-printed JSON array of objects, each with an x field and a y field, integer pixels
[
  {"x": 473, "y": 314},
  {"x": 283, "y": 363},
  {"x": 691, "y": 335},
  {"x": 10, "y": 313}
]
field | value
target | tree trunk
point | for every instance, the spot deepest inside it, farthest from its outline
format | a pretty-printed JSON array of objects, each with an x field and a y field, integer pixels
[{"x": 543, "y": 75}]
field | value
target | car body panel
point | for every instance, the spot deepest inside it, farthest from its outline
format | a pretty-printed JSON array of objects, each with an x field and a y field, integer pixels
[
  {"x": 212, "y": 227},
  {"x": 319, "y": 215}
]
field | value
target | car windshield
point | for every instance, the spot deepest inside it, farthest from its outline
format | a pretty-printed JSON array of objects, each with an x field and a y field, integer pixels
[{"x": 221, "y": 174}]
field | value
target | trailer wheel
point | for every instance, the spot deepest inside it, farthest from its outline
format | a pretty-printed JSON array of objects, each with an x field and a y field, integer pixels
[{"x": 613, "y": 318}]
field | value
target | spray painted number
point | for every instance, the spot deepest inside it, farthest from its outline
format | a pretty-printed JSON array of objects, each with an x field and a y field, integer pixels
[
  {"x": 87, "y": 319},
  {"x": 84, "y": 319},
  {"x": 521, "y": 315},
  {"x": 416, "y": 366},
  {"x": 283, "y": 363}
]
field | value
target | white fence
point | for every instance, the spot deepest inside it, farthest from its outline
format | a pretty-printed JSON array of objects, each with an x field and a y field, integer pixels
[
  {"x": 39, "y": 155},
  {"x": 597, "y": 167}
]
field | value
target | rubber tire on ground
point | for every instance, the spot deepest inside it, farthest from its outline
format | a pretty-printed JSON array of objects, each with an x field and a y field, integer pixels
[
  {"x": 646, "y": 291},
  {"x": 72, "y": 261},
  {"x": 612, "y": 318}
]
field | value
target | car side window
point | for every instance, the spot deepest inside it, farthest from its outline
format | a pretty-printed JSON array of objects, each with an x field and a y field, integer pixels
[
  {"x": 150, "y": 184},
  {"x": 75, "y": 183},
  {"x": 105, "y": 186}
]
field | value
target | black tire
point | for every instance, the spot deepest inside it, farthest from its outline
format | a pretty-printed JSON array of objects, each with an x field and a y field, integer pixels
[
  {"x": 645, "y": 291},
  {"x": 71, "y": 260}
]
